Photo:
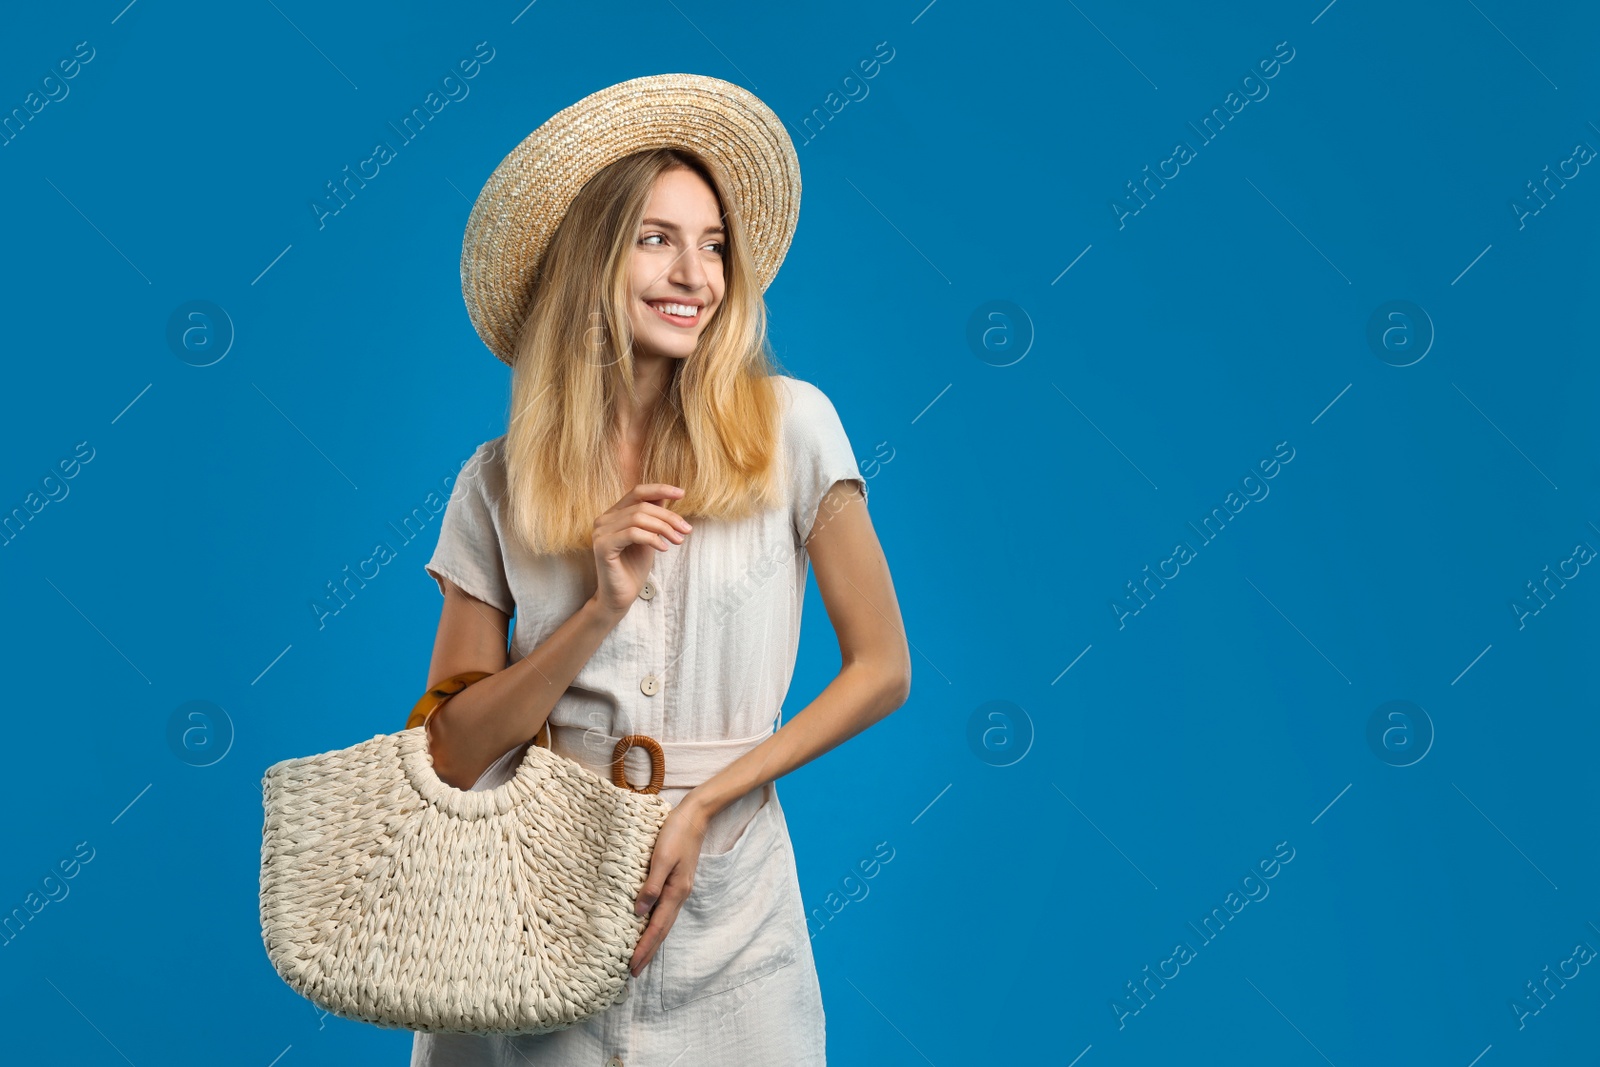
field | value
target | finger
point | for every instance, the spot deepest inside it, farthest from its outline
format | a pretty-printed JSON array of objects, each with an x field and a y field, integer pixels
[
  {"x": 650, "y": 491},
  {"x": 645, "y": 950},
  {"x": 613, "y": 545},
  {"x": 645, "y": 522},
  {"x": 658, "y": 895},
  {"x": 664, "y": 514},
  {"x": 656, "y": 879},
  {"x": 650, "y": 892},
  {"x": 649, "y": 515},
  {"x": 660, "y": 922}
]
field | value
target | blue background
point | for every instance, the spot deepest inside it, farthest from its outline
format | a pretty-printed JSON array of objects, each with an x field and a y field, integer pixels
[{"x": 1042, "y": 858}]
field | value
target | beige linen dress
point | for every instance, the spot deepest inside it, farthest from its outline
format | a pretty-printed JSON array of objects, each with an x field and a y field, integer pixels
[{"x": 701, "y": 663}]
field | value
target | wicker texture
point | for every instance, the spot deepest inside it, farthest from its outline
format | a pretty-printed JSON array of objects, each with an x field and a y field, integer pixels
[
  {"x": 526, "y": 197},
  {"x": 391, "y": 897}
]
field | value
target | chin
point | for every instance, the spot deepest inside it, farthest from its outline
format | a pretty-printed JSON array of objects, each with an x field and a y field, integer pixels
[{"x": 673, "y": 351}]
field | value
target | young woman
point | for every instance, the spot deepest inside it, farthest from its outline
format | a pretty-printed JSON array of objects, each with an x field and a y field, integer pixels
[{"x": 649, "y": 518}]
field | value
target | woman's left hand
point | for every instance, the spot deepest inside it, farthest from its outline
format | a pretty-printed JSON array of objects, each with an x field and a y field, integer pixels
[{"x": 666, "y": 887}]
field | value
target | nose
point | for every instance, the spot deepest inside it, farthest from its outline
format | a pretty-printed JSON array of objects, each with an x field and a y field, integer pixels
[{"x": 686, "y": 271}]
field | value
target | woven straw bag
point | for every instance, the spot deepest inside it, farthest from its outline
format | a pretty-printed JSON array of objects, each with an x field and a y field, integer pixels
[{"x": 391, "y": 897}]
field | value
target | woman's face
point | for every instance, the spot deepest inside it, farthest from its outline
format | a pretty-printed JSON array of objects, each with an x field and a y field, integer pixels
[{"x": 676, "y": 272}]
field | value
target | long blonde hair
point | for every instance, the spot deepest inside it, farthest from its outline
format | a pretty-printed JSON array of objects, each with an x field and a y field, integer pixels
[{"x": 714, "y": 433}]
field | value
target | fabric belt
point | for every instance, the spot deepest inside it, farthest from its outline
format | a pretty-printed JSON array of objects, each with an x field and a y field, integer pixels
[{"x": 688, "y": 763}]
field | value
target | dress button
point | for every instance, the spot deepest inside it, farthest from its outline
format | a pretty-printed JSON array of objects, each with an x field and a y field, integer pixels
[
  {"x": 615, "y": 1061},
  {"x": 649, "y": 684},
  {"x": 649, "y": 590}
]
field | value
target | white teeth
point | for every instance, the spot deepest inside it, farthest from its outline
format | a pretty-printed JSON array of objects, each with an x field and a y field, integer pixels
[{"x": 682, "y": 310}]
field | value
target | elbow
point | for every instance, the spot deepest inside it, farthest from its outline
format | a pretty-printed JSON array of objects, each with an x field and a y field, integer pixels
[
  {"x": 885, "y": 682},
  {"x": 439, "y": 753},
  {"x": 897, "y": 686},
  {"x": 903, "y": 691}
]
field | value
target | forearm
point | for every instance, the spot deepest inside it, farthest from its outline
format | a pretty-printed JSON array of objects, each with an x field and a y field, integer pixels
[
  {"x": 860, "y": 694},
  {"x": 490, "y": 717}
]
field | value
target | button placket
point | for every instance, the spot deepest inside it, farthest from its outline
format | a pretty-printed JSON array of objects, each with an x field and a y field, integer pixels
[
  {"x": 653, "y": 683},
  {"x": 652, "y": 647},
  {"x": 658, "y": 651}
]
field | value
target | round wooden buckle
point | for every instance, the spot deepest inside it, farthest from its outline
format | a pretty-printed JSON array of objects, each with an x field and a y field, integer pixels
[{"x": 658, "y": 763}]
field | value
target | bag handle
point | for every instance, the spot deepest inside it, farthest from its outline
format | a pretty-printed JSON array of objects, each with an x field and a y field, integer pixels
[{"x": 449, "y": 687}]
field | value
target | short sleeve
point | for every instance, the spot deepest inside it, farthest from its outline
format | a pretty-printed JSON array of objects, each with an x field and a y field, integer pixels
[
  {"x": 469, "y": 552},
  {"x": 818, "y": 451}
]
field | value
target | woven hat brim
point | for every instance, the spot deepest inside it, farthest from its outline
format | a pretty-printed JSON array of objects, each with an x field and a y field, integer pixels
[{"x": 529, "y": 192}]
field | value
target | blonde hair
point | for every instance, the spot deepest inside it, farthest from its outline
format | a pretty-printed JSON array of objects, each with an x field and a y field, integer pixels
[{"x": 714, "y": 433}]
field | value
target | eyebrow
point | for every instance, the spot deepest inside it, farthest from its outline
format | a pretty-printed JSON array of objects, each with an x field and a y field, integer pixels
[{"x": 664, "y": 224}]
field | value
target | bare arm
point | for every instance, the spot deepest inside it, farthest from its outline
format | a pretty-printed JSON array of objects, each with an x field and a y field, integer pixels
[
  {"x": 875, "y": 674},
  {"x": 490, "y": 717},
  {"x": 495, "y": 714}
]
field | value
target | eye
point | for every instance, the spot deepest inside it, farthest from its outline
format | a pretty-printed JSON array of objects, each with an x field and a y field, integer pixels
[
  {"x": 722, "y": 249},
  {"x": 648, "y": 237}
]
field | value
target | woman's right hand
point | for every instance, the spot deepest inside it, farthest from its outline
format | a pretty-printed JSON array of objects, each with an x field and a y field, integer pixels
[{"x": 626, "y": 539}]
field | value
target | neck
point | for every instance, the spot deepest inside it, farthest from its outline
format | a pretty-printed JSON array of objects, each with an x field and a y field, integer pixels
[{"x": 651, "y": 376}]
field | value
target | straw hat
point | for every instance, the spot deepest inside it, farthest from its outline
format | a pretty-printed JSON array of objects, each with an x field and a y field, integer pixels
[{"x": 528, "y": 194}]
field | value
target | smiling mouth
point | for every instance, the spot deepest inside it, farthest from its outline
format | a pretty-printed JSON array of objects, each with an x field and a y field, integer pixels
[{"x": 660, "y": 308}]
